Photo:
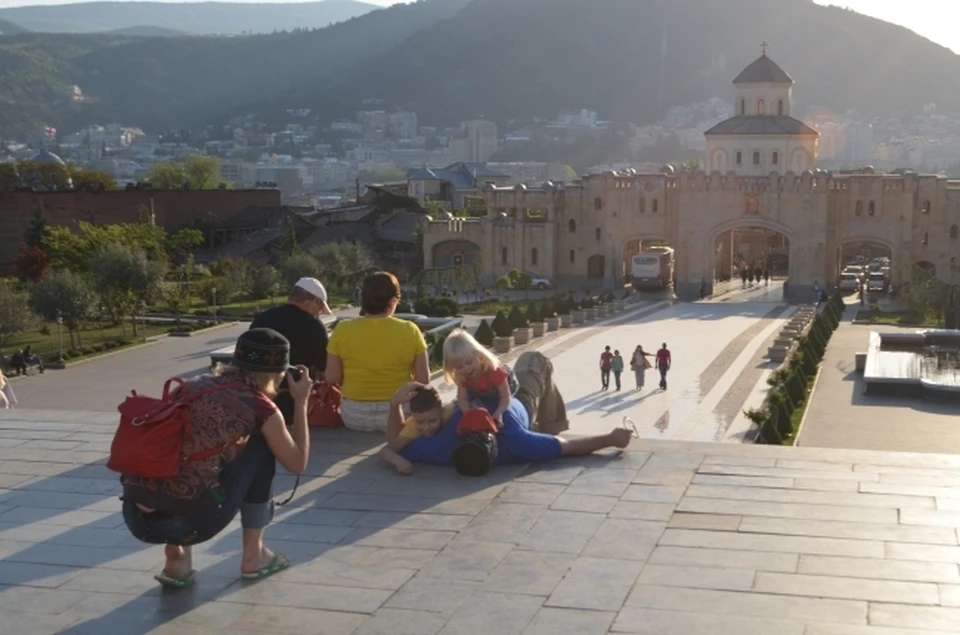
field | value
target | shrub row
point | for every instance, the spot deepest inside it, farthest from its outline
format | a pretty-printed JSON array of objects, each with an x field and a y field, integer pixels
[
  {"x": 788, "y": 384},
  {"x": 518, "y": 318}
]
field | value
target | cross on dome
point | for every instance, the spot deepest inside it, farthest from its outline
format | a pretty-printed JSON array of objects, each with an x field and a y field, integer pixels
[{"x": 763, "y": 46}]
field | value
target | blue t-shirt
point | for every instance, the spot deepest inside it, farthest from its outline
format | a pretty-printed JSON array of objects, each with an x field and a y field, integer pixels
[{"x": 516, "y": 442}]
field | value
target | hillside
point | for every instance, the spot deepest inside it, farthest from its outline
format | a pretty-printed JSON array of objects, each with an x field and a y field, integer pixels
[
  {"x": 213, "y": 18},
  {"x": 9, "y": 28},
  {"x": 506, "y": 59},
  {"x": 161, "y": 82},
  {"x": 146, "y": 31}
]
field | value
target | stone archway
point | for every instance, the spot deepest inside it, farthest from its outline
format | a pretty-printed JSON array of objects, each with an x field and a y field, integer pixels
[
  {"x": 745, "y": 244},
  {"x": 872, "y": 255},
  {"x": 453, "y": 253}
]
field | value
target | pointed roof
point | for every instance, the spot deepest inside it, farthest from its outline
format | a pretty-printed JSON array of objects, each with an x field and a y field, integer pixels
[
  {"x": 762, "y": 125},
  {"x": 763, "y": 71}
]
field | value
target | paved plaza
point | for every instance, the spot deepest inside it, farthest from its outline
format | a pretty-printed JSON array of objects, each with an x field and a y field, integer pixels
[{"x": 674, "y": 535}]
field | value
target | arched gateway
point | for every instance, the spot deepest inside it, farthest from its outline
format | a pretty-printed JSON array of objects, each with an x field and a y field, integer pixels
[{"x": 761, "y": 198}]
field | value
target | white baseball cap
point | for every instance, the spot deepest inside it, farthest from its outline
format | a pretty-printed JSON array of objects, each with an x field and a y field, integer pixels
[{"x": 315, "y": 288}]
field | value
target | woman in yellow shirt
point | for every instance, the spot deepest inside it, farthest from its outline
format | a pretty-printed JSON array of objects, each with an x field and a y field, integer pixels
[{"x": 374, "y": 355}]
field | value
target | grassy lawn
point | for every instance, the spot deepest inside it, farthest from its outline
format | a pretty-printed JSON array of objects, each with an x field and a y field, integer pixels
[
  {"x": 93, "y": 339},
  {"x": 897, "y": 318},
  {"x": 244, "y": 307}
]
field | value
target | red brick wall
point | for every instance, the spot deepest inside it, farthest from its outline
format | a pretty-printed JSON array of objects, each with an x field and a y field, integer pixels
[{"x": 173, "y": 209}]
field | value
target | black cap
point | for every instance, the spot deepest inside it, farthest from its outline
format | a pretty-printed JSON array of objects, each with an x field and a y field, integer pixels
[
  {"x": 262, "y": 351},
  {"x": 475, "y": 454}
]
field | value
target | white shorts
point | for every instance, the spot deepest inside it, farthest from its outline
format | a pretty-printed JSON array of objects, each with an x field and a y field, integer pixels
[{"x": 364, "y": 416}]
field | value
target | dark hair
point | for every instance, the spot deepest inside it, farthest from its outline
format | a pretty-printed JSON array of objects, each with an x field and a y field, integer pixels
[
  {"x": 425, "y": 399},
  {"x": 475, "y": 454},
  {"x": 378, "y": 289}
]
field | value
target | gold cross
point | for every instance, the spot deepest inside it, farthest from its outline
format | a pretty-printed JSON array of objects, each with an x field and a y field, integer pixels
[{"x": 764, "y": 45}]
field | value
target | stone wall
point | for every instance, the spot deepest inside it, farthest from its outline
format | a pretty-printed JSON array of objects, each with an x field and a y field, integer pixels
[
  {"x": 562, "y": 228},
  {"x": 172, "y": 209}
]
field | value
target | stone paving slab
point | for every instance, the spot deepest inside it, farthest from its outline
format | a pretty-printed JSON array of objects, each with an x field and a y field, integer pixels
[{"x": 666, "y": 537}]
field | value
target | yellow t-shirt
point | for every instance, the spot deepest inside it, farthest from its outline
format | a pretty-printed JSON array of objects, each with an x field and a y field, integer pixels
[
  {"x": 410, "y": 426},
  {"x": 377, "y": 355}
]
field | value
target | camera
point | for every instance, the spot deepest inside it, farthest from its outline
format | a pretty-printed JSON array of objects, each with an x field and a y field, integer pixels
[{"x": 294, "y": 373}]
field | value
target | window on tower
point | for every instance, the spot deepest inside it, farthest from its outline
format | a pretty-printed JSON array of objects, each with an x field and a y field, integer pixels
[
  {"x": 739, "y": 158},
  {"x": 780, "y": 107},
  {"x": 761, "y": 107},
  {"x": 743, "y": 106},
  {"x": 756, "y": 158},
  {"x": 775, "y": 158}
]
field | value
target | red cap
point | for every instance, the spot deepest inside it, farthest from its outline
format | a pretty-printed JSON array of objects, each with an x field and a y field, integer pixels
[{"x": 477, "y": 420}]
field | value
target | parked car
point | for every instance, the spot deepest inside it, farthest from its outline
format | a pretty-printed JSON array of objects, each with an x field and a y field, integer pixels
[{"x": 539, "y": 282}]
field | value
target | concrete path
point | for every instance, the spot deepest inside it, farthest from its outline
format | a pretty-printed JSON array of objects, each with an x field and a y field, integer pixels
[
  {"x": 841, "y": 416},
  {"x": 717, "y": 351},
  {"x": 665, "y": 539}
]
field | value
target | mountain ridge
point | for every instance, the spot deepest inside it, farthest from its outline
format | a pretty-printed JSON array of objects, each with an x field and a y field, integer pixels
[{"x": 198, "y": 18}]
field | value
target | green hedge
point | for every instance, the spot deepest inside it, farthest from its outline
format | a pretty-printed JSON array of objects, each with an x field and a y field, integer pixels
[
  {"x": 789, "y": 383},
  {"x": 484, "y": 334},
  {"x": 501, "y": 325}
]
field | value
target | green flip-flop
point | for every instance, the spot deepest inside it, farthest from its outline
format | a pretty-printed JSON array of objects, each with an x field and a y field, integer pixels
[
  {"x": 187, "y": 579},
  {"x": 277, "y": 564}
]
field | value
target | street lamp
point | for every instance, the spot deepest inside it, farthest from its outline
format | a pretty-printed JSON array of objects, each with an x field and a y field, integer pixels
[
  {"x": 60, "y": 338},
  {"x": 213, "y": 290}
]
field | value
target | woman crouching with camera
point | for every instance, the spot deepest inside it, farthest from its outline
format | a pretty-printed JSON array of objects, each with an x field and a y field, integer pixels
[{"x": 233, "y": 409}]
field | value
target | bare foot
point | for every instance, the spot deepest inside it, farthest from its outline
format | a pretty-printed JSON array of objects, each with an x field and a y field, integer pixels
[
  {"x": 620, "y": 437},
  {"x": 254, "y": 562},
  {"x": 179, "y": 561}
]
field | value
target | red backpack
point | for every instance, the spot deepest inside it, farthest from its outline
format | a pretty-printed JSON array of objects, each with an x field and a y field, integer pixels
[
  {"x": 149, "y": 440},
  {"x": 324, "y": 408}
]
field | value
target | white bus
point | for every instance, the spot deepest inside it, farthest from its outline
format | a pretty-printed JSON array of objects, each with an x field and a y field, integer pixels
[{"x": 653, "y": 268}]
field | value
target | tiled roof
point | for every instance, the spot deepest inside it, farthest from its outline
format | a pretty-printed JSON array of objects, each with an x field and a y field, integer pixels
[
  {"x": 763, "y": 71},
  {"x": 461, "y": 175},
  {"x": 762, "y": 125}
]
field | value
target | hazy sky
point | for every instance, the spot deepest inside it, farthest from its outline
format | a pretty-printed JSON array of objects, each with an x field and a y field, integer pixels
[{"x": 934, "y": 19}]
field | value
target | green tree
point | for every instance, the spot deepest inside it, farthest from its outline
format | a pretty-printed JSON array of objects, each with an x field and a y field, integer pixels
[
  {"x": 91, "y": 179},
  {"x": 167, "y": 175},
  {"x": 503, "y": 284},
  {"x": 289, "y": 246},
  {"x": 331, "y": 261},
  {"x": 357, "y": 257},
  {"x": 46, "y": 177},
  {"x": 201, "y": 172},
  {"x": 185, "y": 241},
  {"x": 297, "y": 266},
  {"x": 64, "y": 294},
  {"x": 125, "y": 279},
  {"x": 35, "y": 235},
  {"x": 76, "y": 250},
  {"x": 264, "y": 282},
  {"x": 15, "y": 316}
]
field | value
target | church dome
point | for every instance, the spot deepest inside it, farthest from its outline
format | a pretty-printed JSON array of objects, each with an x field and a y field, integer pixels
[
  {"x": 45, "y": 156},
  {"x": 763, "y": 71}
]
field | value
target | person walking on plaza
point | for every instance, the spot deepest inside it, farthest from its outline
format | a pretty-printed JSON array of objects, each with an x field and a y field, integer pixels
[
  {"x": 616, "y": 365},
  {"x": 639, "y": 365},
  {"x": 299, "y": 321},
  {"x": 606, "y": 361},
  {"x": 663, "y": 364}
]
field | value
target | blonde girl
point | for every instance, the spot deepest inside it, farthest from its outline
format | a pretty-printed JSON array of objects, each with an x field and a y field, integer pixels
[{"x": 478, "y": 374}]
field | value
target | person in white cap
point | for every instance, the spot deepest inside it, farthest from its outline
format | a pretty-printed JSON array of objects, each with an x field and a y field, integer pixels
[{"x": 299, "y": 321}]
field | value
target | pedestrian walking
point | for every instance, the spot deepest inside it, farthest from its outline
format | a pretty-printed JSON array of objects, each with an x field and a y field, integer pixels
[
  {"x": 616, "y": 365},
  {"x": 663, "y": 364},
  {"x": 639, "y": 365},
  {"x": 766, "y": 276},
  {"x": 606, "y": 363}
]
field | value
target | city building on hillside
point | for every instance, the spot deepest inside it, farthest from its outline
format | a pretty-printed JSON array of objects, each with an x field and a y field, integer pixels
[
  {"x": 454, "y": 184},
  {"x": 402, "y": 125},
  {"x": 761, "y": 202},
  {"x": 475, "y": 142}
]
